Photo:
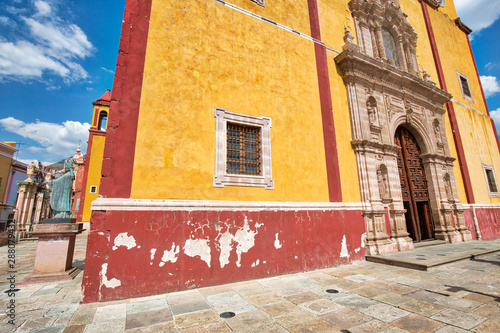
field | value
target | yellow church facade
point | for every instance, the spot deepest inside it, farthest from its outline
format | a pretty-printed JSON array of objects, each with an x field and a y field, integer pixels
[{"x": 249, "y": 138}]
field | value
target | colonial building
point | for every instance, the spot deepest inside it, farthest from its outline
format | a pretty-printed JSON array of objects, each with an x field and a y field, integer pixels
[
  {"x": 88, "y": 181},
  {"x": 249, "y": 138}
]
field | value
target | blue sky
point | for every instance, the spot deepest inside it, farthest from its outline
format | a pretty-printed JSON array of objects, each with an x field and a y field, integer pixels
[{"x": 57, "y": 56}]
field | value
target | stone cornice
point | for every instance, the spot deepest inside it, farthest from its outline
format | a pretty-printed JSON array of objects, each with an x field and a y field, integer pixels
[
  {"x": 462, "y": 26},
  {"x": 357, "y": 67},
  {"x": 118, "y": 204},
  {"x": 374, "y": 146}
]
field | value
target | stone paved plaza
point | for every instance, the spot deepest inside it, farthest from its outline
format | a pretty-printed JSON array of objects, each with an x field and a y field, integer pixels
[{"x": 462, "y": 296}]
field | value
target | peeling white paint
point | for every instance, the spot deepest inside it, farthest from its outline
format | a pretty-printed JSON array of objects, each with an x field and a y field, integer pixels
[
  {"x": 225, "y": 245},
  {"x": 263, "y": 262},
  {"x": 170, "y": 255},
  {"x": 357, "y": 250},
  {"x": 296, "y": 257},
  {"x": 344, "y": 253},
  {"x": 113, "y": 283},
  {"x": 153, "y": 251},
  {"x": 277, "y": 244},
  {"x": 198, "y": 248},
  {"x": 256, "y": 263},
  {"x": 246, "y": 240},
  {"x": 363, "y": 240},
  {"x": 124, "y": 239}
]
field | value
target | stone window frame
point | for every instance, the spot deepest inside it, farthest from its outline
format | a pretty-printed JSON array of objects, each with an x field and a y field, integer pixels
[
  {"x": 222, "y": 177},
  {"x": 487, "y": 168},
  {"x": 93, "y": 189},
  {"x": 370, "y": 18},
  {"x": 460, "y": 77}
]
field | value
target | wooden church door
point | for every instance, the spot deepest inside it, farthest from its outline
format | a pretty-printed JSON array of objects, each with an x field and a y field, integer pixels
[{"x": 414, "y": 187}]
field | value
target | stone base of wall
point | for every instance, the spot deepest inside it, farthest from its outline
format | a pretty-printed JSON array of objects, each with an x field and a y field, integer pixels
[
  {"x": 486, "y": 219},
  {"x": 139, "y": 248}
]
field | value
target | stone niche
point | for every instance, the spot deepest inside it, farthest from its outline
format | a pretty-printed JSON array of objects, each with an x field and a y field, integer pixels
[{"x": 385, "y": 93}]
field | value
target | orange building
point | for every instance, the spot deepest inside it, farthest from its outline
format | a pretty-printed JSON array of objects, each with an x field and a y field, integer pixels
[{"x": 249, "y": 138}]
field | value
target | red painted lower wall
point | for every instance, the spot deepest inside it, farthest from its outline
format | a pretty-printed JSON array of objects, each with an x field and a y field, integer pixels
[
  {"x": 488, "y": 220},
  {"x": 469, "y": 223},
  {"x": 139, "y": 253}
]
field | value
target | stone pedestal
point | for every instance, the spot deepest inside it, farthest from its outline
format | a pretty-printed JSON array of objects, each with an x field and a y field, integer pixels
[{"x": 54, "y": 252}]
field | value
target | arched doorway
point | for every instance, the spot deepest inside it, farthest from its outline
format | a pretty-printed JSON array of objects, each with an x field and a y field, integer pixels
[{"x": 414, "y": 187}]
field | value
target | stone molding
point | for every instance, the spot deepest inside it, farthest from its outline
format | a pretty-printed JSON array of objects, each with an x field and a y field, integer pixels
[
  {"x": 260, "y": 2},
  {"x": 373, "y": 16},
  {"x": 118, "y": 204},
  {"x": 222, "y": 177},
  {"x": 462, "y": 26}
]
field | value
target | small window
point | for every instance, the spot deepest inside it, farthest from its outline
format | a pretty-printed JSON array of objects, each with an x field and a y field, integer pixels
[
  {"x": 103, "y": 119},
  {"x": 491, "y": 180},
  {"x": 243, "y": 150},
  {"x": 464, "y": 85},
  {"x": 391, "y": 51},
  {"x": 93, "y": 189}
]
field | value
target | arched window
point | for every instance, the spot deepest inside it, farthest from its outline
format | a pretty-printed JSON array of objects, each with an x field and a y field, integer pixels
[
  {"x": 391, "y": 51},
  {"x": 103, "y": 119}
]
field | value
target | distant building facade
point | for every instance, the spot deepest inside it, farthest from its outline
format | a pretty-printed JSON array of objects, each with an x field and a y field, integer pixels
[{"x": 253, "y": 138}]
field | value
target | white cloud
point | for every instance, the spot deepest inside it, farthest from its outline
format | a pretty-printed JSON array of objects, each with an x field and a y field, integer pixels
[
  {"x": 478, "y": 14},
  {"x": 43, "y": 8},
  {"x": 51, "y": 46},
  {"x": 56, "y": 141},
  {"x": 490, "y": 85},
  {"x": 108, "y": 70},
  {"x": 495, "y": 114}
]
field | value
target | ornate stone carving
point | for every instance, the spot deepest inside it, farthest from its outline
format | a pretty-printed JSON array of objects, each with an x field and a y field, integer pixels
[{"x": 379, "y": 92}]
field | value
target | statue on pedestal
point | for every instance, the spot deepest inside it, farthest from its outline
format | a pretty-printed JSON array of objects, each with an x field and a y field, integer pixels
[{"x": 62, "y": 192}]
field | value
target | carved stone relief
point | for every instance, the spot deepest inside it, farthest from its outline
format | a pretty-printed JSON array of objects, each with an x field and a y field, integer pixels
[{"x": 380, "y": 93}]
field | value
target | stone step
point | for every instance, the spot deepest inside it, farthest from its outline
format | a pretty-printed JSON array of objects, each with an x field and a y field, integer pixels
[{"x": 429, "y": 243}]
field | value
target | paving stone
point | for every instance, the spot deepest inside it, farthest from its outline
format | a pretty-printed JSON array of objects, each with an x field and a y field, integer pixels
[
  {"x": 44, "y": 292},
  {"x": 321, "y": 306},
  {"x": 140, "y": 319},
  {"x": 481, "y": 298},
  {"x": 279, "y": 308},
  {"x": 263, "y": 299},
  {"x": 465, "y": 305},
  {"x": 245, "y": 320},
  {"x": 295, "y": 318},
  {"x": 426, "y": 296},
  {"x": 346, "y": 318},
  {"x": 369, "y": 291},
  {"x": 308, "y": 284},
  {"x": 400, "y": 288},
  {"x": 189, "y": 307},
  {"x": 384, "y": 312},
  {"x": 249, "y": 288},
  {"x": 59, "y": 310},
  {"x": 303, "y": 297},
  {"x": 74, "y": 329},
  {"x": 110, "y": 326},
  {"x": 458, "y": 318},
  {"x": 356, "y": 302},
  {"x": 489, "y": 326},
  {"x": 373, "y": 326},
  {"x": 314, "y": 326},
  {"x": 418, "y": 324},
  {"x": 184, "y": 297},
  {"x": 488, "y": 311},
  {"x": 168, "y": 327},
  {"x": 155, "y": 304},
  {"x": 110, "y": 312},
  {"x": 270, "y": 327},
  {"x": 196, "y": 318},
  {"x": 451, "y": 329},
  {"x": 422, "y": 308},
  {"x": 360, "y": 278},
  {"x": 219, "y": 327},
  {"x": 393, "y": 299},
  {"x": 83, "y": 315},
  {"x": 53, "y": 329}
]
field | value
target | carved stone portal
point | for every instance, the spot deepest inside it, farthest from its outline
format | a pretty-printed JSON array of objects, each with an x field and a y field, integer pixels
[{"x": 383, "y": 98}]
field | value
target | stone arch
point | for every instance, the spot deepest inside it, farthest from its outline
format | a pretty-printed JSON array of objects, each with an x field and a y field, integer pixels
[{"x": 417, "y": 128}]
